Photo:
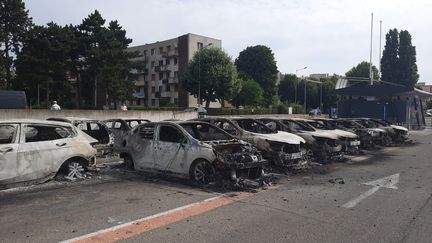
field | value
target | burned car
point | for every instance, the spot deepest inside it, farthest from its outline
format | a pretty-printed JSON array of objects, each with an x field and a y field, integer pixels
[
  {"x": 319, "y": 145},
  {"x": 195, "y": 150},
  {"x": 120, "y": 128},
  {"x": 95, "y": 129},
  {"x": 366, "y": 135},
  {"x": 399, "y": 134},
  {"x": 35, "y": 151},
  {"x": 350, "y": 141},
  {"x": 329, "y": 145},
  {"x": 282, "y": 148},
  {"x": 384, "y": 138}
]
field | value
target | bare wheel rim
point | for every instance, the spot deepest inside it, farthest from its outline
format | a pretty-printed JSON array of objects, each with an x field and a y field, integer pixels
[
  {"x": 203, "y": 172},
  {"x": 75, "y": 170}
]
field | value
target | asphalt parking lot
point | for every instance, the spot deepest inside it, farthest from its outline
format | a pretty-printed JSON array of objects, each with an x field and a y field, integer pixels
[{"x": 380, "y": 196}]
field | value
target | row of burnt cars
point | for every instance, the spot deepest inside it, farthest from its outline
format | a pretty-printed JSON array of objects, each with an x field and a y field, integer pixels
[
  {"x": 242, "y": 148},
  {"x": 202, "y": 150}
]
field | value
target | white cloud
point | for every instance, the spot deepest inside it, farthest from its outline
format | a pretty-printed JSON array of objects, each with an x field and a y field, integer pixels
[{"x": 327, "y": 36}]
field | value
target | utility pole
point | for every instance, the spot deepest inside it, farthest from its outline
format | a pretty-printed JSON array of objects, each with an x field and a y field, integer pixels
[
  {"x": 370, "y": 55},
  {"x": 295, "y": 86}
]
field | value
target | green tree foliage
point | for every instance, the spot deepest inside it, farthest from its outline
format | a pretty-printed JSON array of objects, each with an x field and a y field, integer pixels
[
  {"x": 14, "y": 23},
  {"x": 258, "y": 63},
  {"x": 362, "y": 70},
  {"x": 251, "y": 94},
  {"x": 398, "y": 63},
  {"x": 42, "y": 64},
  {"x": 102, "y": 62},
  {"x": 287, "y": 88},
  {"x": 407, "y": 60},
  {"x": 212, "y": 74}
]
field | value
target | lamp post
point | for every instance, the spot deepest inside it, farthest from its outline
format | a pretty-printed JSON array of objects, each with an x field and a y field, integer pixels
[
  {"x": 199, "y": 73},
  {"x": 295, "y": 87}
]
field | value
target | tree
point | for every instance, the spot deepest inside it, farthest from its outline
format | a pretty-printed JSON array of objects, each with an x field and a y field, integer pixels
[
  {"x": 211, "y": 75},
  {"x": 287, "y": 88},
  {"x": 407, "y": 60},
  {"x": 42, "y": 65},
  {"x": 251, "y": 93},
  {"x": 14, "y": 23},
  {"x": 398, "y": 63},
  {"x": 389, "y": 60},
  {"x": 258, "y": 63},
  {"x": 362, "y": 70},
  {"x": 102, "y": 62}
]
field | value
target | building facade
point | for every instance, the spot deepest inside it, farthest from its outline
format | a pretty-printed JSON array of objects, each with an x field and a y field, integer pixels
[{"x": 165, "y": 61}]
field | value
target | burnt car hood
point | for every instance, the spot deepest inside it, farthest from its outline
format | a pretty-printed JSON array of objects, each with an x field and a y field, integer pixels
[
  {"x": 322, "y": 134},
  {"x": 282, "y": 137},
  {"x": 401, "y": 128},
  {"x": 345, "y": 134}
]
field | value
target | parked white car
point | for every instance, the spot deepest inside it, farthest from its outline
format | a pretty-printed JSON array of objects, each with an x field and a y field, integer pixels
[
  {"x": 37, "y": 150},
  {"x": 194, "y": 150}
]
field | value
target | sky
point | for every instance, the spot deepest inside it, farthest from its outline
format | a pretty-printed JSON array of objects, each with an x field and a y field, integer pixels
[{"x": 326, "y": 36}]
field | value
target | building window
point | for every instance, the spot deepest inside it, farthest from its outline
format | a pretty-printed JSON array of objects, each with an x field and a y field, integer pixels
[
  {"x": 145, "y": 53},
  {"x": 153, "y": 89},
  {"x": 152, "y": 51},
  {"x": 160, "y": 50},
  {"x": 161, "y": 63},
  {"x": 176, "y": 101},
  {"x": 175, "y": 74},
  {"x": 160, "y": 76},
  {"x": 138, "y": 102},
  {"x": 167, "y": 61},
  {"x": 175, "y": 60},
  {"x": 153, "y": 77},
  {"x": 152, "y": 64},
  {"x": 168, "y": 87},
  {"x": 160, "y": 88},
  {"x": 175, "y": 87},
  {"x": 168, "y": 48},
  {"x": 199, "y": 45},
  {"x": 153, "y": 102}
]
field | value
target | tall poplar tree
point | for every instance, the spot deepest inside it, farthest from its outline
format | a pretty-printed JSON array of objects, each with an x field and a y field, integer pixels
[{"x": 14, "y": 24}]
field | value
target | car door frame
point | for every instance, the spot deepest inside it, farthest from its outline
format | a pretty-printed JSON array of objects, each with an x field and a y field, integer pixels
[{"x": 9, "y": 159}]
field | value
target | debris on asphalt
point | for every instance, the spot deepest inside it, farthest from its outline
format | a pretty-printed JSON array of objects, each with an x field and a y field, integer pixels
[{"x": 337, "y": 180}]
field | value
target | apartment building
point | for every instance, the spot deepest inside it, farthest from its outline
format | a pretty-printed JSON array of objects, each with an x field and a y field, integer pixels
[{"x": 166, "y": 61}]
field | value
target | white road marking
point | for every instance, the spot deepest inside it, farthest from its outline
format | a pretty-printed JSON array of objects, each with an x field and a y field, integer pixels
[
  {"x": 387, "y": 182},
  {"x": 139, "y": 220}
]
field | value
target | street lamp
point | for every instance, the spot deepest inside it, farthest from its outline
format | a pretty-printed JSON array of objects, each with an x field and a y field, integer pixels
[
  {"x": 199, "y": 73},
  {"x": 295, "y": 87}
]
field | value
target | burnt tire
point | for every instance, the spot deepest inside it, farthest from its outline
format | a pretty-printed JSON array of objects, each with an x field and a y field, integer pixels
[
  {"x": 128, "y": 161},
  {"x": 73, "y": 169},
  {"x": 202, "y": 172}
]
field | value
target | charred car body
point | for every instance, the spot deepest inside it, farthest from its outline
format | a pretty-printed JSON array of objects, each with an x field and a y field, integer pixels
[
  {"x": 366, "y": 135},
  {"x": 194, "y": 150},
  {"x": 95, "y": 129},
  {"x": 384, "y": 138},
  {"x": 350, "y": 141},
  {"x": 282, "y": 148},
  {"x": 399, "y": 134},
  {"x": 120, "y": 128},
  {"x": 35, "y": 151},
  {"x": 320, "y": 144}
]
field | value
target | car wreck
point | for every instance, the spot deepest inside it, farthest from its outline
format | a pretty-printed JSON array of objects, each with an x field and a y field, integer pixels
[
  {"x": 325, "y": 145},
  {"x": 120, "y": 128},
  {"x": 366, "y": 135},
  {"x": 349, "y": 141},
  {"x": 399, "y": 134},
  {"x": 384, "y": 138},
  {"x": 34, "y": 151},
  {"x": 319, "y": 145},
  {"x": 281, "y": 148},
  {"x": 195, "y": 150},
  {"x": 95, "y": 129}
]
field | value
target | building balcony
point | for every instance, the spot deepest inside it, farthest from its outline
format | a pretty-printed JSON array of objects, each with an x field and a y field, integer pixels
[
  {"x": 171, "y": 53},
  {"x": 139, "y": 95},
  {"x": 163, "y": 68},
  {"x": 139, "y": 83}
]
